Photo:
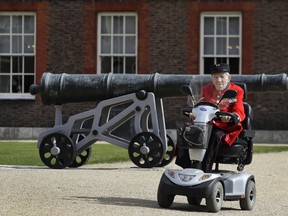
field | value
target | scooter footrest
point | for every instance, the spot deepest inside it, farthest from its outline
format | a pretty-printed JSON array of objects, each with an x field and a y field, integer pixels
[{"x": 233, "y": 151}]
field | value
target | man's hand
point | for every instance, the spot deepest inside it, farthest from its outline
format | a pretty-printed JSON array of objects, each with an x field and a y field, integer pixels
[
  {"x": 225, "y": 118},
  {"x": 192, "y": 116}
]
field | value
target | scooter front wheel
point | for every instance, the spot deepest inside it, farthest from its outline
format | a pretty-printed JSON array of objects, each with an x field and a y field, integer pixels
[
  {"x": 194, "y": 200},
  {"x": 164, "y": 200},
  {"x": 214, "y": 202}
]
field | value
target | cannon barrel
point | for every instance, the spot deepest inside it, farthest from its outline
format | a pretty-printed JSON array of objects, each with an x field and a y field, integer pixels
[{"x": 68, "y": 88}]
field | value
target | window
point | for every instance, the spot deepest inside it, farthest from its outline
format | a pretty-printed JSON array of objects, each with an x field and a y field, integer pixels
[
  {"x": 221, "y": 40},
  {"x": 17, "y": 54},
  {"x": 117, "y": 43}
]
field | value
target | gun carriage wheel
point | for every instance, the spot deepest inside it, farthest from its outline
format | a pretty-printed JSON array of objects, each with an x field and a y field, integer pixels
[
  {"x": 169, "y": 154},
  {"x": 82, "y": 158},
  {"x": 57, "y": 151},
  {"x": 146, "y": 150}
]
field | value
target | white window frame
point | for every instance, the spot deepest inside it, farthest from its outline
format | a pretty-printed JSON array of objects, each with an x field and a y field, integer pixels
[
  {"x": 215, "y": 15},
  {"x": 27, "y": 95},
  {"x": 99, "y": 54}
]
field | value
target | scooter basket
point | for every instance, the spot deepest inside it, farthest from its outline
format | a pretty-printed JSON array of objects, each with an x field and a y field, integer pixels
[{"x": 190, "y": 136}]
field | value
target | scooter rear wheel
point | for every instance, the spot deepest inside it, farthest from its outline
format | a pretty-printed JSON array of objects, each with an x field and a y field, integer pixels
[{"x": 248, "y": 202}]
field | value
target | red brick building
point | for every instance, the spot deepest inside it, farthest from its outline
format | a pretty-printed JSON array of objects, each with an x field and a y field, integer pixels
[{"x": 129, "y": 36}]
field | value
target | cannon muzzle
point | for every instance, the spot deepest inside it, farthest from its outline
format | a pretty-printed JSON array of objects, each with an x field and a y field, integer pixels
[{"x": 68, "y": 88}]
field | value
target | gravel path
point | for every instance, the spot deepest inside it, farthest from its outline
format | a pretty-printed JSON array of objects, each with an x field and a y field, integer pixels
[{"x": 123, "y": 189}]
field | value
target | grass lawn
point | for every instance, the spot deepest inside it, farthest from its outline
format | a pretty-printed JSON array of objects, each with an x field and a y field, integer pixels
[{"x": 26, "y": 153}]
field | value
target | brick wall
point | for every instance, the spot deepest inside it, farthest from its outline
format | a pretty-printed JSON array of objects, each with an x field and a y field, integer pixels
[
  {"x": 65, "y": 36},
  {"x": 168, "y": 43},
  {"x": 169, "y": 36},
  {"x": 271, "y": 56}
]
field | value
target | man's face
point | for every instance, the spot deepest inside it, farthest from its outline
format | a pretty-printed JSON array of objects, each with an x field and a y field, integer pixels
[{"x": 221, "y": 80}]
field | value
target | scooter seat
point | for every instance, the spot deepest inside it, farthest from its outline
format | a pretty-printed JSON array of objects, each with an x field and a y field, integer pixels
[{"x": 240, "y": 152}]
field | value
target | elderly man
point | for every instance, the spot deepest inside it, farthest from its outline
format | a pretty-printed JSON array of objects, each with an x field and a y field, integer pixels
[{"x": 224, "y": 131}]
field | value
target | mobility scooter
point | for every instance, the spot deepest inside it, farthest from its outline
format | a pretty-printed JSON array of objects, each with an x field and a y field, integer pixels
[{"x": 217, "y": 186}]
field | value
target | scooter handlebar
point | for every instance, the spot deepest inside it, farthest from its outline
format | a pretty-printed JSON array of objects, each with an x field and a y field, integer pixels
[
  {"x": 234, "y": 117},
  {"x": 186, "y": 111}
]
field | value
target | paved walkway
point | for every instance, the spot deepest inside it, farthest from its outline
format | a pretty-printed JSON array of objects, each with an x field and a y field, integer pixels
[{"x": 123, "y": 189}]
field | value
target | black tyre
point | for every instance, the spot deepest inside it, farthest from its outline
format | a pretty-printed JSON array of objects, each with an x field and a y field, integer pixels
[
  {"x": 214, "y": 202},
  {"x": 57, "y": 151},
  {"x": 82, "y": 158},
  {"x": 194, "y": 200},
  {"x": 164, "y": 200},
  {"x": 146, "y": 150},
  {"x": 248, "y": 202},
  {"x": 169, "y": 154}
]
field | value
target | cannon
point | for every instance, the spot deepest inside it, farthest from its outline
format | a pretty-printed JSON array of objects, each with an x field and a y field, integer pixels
[
  {"x": 125, "y": 101},
  {"x": 68, "y": 88}
]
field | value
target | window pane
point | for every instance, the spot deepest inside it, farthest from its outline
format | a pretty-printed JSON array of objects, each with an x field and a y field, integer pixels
[
  {"x": 4, "y": 84},
  {"x": 221, "y": 60},
  {"x": 130, "y": 65},
  {"x": 5, "y": 64},
  {"x": 29, "y": 64},
  {"x": 130, "y": 45},
  {"x": 16, "y": 44},
  {"x": 221, "y": 46},
  {"x": 130, "y": 25},
  {"x": 208, "y": 46},
  {"x": 29, "y": 44},
  {"x": 105, "y": 44},
  {"x": 106, "y": 24},
  {"x": 20, "y": 39},
  {"x": 17, "y": 64},
  {"x": 118, "y": 24},
  {"x": 118, "y": 65},
  {"x": 209, "y": 26},
  {"x": 16, "y": 84},
  {"x": 234, "y": 46},
  {"x": 234, "y": 26},
  {"x": 28, "y": 80},
  {"x": 221, "y": 23},
  {"x": 234, "y": 65},
  {"x": 207, "y": 64},
  {"x": 4, "y": 24},
  {"x": 16, "y": 24},
  {"x": 106, "y": 65},
  {"x": 29, "y": 24},
  {"x": 225, "y": 42},
  {"x": 118, "y": 44},
  {"x": 4, "y": 44}
]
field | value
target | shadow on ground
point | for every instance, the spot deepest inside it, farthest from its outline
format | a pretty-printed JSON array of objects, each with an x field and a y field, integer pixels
[{"x": 122, "y": 201}]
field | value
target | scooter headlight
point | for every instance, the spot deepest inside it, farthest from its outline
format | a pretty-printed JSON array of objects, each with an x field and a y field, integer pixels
[
  {"x": 186, "y": 178},
  {"x": 171, "y": 173},
  {"x": 204, "y": 177}
]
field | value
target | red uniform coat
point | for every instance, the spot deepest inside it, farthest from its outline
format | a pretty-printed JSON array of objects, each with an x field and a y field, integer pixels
[{"x": 212, "y": 95}]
